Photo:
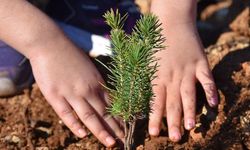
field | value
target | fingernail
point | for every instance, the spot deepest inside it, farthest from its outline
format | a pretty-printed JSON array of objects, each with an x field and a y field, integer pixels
[
  {"x": 110, "y": 141},
  {"x": 190, "y": 124},
  {"x": 154, "y": 131},
  {"x": 82, "y": 132},
  {"x": 214, "y": 101},
  {"x": 176, "y": 136}
]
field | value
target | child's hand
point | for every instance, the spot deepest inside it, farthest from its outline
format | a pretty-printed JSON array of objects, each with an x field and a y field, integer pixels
[
  {"x": 70, "y": 83},
  {"x": 66, "y": 77},
  {"x": 181, "y": 65}
]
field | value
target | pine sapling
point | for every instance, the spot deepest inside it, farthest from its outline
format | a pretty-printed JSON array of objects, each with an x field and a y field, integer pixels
[{"x": 132, "y": 68}]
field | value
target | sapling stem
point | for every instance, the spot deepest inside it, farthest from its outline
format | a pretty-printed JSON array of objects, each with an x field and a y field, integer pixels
[
  {"x": 133, "y": 67},
  {"x": 129, "y": 133}
]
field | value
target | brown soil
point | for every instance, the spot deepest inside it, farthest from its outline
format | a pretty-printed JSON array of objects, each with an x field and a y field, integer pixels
[{"x": 28, "y": 122}]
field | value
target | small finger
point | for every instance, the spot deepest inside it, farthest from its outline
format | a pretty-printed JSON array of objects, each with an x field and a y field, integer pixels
[
  {"x": 206, "y": 79},
  {"x": 69, "y": 117},
  {"x": 158, "y": 106},
  {"x": 92, "y": 121},
  {"x": 174, "y": 112},
  {"x": 188, "y": 96}
]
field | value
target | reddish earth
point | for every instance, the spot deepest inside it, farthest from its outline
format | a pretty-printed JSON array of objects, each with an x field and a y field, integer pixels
[{"x": 28, "y": 122}]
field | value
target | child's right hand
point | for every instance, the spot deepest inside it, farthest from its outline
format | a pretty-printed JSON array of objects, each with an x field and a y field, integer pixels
[
  {"x": 70, "y": 83},
  {"x": 66, "y": 77}
]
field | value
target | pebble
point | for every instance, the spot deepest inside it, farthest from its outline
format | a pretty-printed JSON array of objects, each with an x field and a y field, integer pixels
[
  {"x": 246, "y": 68},
  {"x": 7, "y": 138},
  {"x": 42, "y": 148},
  {"x": 15, "y": 139},
  {"x": 60, "y": 122},
  {"x": 140, "y": 147},
  {"x": 196, "y": 135},
  {"x": 48, "y": 131}
]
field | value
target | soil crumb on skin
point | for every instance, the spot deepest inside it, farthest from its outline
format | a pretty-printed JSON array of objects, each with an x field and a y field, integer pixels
[{"x": 27, "y": 121}]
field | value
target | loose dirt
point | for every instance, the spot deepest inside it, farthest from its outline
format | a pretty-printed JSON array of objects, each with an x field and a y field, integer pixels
[{"x": 28, "y": 122}]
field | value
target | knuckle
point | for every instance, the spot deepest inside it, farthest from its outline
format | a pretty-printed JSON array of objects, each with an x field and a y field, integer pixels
[
  {"x": 209, "y": 88},
  {"x": 189, "y": 109},
  {"x": 185, "y": 91},
  {"x": 74, "y": 124},
  {"x": 106, "y": 115},
  {"x": 157, "y": 108},
  {"x": 188, "y": 95},
  {"x": 209, "y": 85},
  {"x": 170, "y": 77},
  {"x": 174, "y": 108},
  {"x": 166, "y": 76},
  {"x": 86, "y": 91},
  {"x": 87, "y": 116},
  {"x": 206, "y": 74},
  {"x": 192, "y": 101},
  {"x": 51, "y": 92},
  {"x": 65, "y": 112}
]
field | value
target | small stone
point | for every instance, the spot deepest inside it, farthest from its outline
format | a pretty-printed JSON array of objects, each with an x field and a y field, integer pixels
[
  {"x": 241, "y": 23},
  {"x": 204, "y": 110},
  {"x": 246, "y": 68},
  {"x": 140, "y": 147},
  {"x": 32, "y": 123},
  {"x": 245, "y": 120},
  {"x": 235, "y": 146},
  {"x": 247, "y": 143},
  {"x": 42, "y": 148},
  {"x": 43, "y": 129},
  {"x": 60, "y": 122},
  {"x": 197, "y": 124},
  {"x": 79, "y": 144},
  {"x": 7, "y": 138},
  {"x": 88, "y": 144},
  {"x": 15, "y": 139},
  {"x": 196, "y": 136}
]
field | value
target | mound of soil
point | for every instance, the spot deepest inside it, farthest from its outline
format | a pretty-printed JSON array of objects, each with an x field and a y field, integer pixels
[{"x": 28, "y": 122}]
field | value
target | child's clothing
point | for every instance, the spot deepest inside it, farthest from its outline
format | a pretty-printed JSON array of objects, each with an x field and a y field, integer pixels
[
  {"x": 15, "y": 71},
  {"x": 82, "y": 22},
  {"x": 88, "y": 14}
]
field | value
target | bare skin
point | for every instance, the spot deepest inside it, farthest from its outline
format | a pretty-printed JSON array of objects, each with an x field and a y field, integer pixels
[
  {"x": 66, "y": 77},
  {"x": 70, "y": 82},
  {"x": 181, "y": 65}
]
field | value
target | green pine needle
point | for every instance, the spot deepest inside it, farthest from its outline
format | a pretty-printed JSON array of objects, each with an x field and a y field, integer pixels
[{"x": 133, "y": 65}]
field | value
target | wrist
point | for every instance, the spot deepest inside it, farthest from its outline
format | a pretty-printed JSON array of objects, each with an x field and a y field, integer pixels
[
  {"x": 181, "y": 32},
  {"x": 50, "y": 48},
  {"x": 172, "y": 29},
  {"x": 175, "y": 12}
]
